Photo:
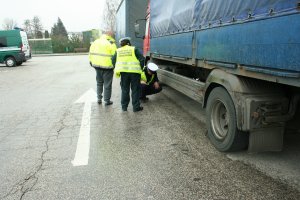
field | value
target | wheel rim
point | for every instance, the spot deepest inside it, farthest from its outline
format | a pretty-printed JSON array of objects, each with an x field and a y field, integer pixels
[
  {"x": 10, "y": 62},
  {"x": 220, "y": 120}
]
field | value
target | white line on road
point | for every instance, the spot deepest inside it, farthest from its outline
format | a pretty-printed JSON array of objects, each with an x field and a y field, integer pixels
[{"x": 83, "y": 144}]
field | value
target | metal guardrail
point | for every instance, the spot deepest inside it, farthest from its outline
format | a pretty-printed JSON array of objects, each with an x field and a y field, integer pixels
[{"x": 189, "y": 87}]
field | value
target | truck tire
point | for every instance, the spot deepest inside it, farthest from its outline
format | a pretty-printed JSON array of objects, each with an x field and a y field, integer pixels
[
  {"x": 10, "y": 62},
  {"x": 221, "y": 122}
]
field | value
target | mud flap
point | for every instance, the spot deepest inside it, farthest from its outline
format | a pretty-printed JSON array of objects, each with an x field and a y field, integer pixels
[{"x": 267, "y": 139}]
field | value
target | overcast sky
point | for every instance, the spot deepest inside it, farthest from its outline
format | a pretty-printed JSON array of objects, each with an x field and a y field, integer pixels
[{"x": 76, "y": 15}]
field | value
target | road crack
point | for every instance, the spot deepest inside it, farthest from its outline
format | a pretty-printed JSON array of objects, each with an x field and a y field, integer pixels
[{"x": 27, "y": 184}]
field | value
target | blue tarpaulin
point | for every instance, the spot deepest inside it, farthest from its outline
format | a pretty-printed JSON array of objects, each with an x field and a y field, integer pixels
[{"x": 175, "y": 16}]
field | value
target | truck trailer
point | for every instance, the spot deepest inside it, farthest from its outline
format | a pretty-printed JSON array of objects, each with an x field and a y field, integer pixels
[{"x": 239, "y": 58}]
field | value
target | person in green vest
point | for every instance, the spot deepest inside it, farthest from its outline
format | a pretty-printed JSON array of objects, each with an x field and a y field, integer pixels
[
  {"x": 101, "y": 52},
  {"x": 149, "y": 81},
  {"x": 128, "y": 62}
]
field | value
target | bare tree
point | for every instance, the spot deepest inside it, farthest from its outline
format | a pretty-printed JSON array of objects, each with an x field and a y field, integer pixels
[
  {"x": 109, "y": 14},
  {"x": 9, "y": 24},
  {"x": 37, "y": 26},
  {"x": 28, "y": 28}
]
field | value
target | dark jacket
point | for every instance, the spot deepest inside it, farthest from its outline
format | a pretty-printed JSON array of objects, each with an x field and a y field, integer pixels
[{"x": 149, "y": 77}]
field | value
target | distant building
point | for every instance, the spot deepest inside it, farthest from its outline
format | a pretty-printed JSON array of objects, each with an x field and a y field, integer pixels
[
  {"x": 79, "y": 34},
  {"x": 90, "y": 36}
]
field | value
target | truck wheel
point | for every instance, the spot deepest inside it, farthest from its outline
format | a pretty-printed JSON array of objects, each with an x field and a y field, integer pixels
[
  {"x": 10, "y": 62},
  {"x": 221, "y": 122}
]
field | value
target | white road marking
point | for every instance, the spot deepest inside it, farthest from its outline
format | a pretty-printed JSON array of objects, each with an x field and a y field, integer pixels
[{"x": 83, "y": 144}]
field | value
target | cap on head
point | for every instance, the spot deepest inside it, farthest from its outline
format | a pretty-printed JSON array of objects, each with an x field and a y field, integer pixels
[
  {"x": 124, "y": 39},
  {"x": 152, "y": 67}
]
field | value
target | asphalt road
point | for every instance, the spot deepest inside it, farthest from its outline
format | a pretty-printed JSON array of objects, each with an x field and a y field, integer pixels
[{"x": 159, "y": 153}]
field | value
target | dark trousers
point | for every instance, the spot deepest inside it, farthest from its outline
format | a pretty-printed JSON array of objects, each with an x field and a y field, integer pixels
[
  {"x": 148, "y": 90},
  {"x": 104, "y": 78},
  {"x": 130, "y": 80}
]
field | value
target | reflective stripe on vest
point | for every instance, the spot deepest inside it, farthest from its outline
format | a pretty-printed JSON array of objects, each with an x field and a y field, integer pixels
[
  {"x": 144, "y": 77},
  {"x": 127, "y": 61},
  {"x": 101, "y": 54},
  {"x": 152, "y": 77}
]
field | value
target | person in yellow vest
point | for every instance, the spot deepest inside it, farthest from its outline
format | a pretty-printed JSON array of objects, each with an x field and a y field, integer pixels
[
  {"x": 149, "y": 82},
  {"x": 128, "y": 62},
  {"x": 101, "y": 52}
]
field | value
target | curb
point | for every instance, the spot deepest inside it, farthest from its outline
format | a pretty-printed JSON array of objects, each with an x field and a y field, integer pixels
[{"x": 59, "y": 54}]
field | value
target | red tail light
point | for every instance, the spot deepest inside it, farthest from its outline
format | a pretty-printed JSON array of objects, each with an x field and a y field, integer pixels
[{"x": 22, "y": 47}]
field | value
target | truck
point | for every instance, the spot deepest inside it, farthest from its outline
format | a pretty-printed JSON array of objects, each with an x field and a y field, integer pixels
[
  {"x": 127, "y": 13},
  {"x": 14, "y": 47},
  {"x": 239, "y": 58}
]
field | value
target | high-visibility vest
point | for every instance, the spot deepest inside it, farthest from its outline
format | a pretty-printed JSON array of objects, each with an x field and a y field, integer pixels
[
  {"x": 127, "y": 61},
  {"x": 144, "y": 77},
  {"x": 101, "y": 52}
]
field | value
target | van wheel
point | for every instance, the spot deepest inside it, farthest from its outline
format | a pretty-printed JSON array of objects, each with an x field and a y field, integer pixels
[
  {"x": 221, "y": 122},
  {"x": 19, "y": 63},
  {"x": 10, "y": 62}
]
